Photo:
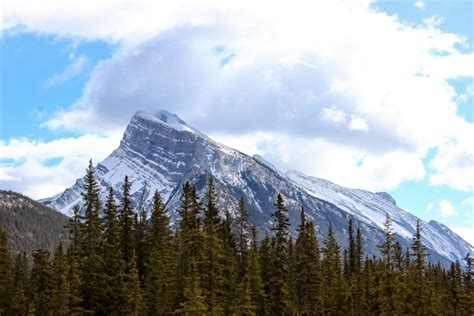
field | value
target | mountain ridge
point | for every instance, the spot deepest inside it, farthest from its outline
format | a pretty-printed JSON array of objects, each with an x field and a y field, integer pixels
[{"x": 162, "y": 151}]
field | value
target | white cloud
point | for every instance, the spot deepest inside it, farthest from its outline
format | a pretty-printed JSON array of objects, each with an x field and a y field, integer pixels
[
  {"x": 454, "y": 163},
  {"x": 24, "y": 164},
  {"x": 242, "y": 70},
  {"x": 356, "y": 167},
  {"x": 419, "y": 4},
  {"x": 444, "y": 207},
  {"x": 433, "y": 21},
  {"x": 333, "y": 114},
  {"x": 72, "y": 70},
  {"x": 357, "y": 124}
]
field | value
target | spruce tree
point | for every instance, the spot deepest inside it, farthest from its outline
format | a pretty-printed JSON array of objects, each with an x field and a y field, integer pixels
[
  {"x": 229, "y": 263},
  {"x": 91, "y": 261},
  {"x": 242, "y": 228},
  {"x": 417, "y": 293},
  {"x": 40, "y": 283},
  {"x": 265, "y": 260},
  {"x": 212, "y": 277},
  {"x": 387, "y": 286},
  {"x": 112, "y": 256},
  {"x": 160, "y": 284},
  {"x": 127, "y": 229},
  {"x": 254, "y": 275},
  {"x": 279, "y": 291},
  {"x": 193, "y": 303},
  {"x": 19, "y": 304},
  {"x": 306, "y": 271},
  {"x": 140, "y": 232},
  {"x": 6, "y": 277},
  {"x": 331, "y": 275},
  {"x": 60, "y": 288},
  {"x": 468, "y": 283},
  {"x": 132, "y": 299},
  {"x": 190, "y": 241}
]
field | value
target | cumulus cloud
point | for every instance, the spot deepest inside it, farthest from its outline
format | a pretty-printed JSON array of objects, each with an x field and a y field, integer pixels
[
  {"x": 454, "y": 163},
  {"x": 41, "y": 169},
  {"x": 358, "y": 89},
  {"x": 358, "y": 124},
  {"x": 419, "y": 4},
  {"x": 445, "y": 208},
  {"x": 72, "y": 70}
]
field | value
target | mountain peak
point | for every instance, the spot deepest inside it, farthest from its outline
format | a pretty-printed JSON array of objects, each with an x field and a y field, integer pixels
[{"x": 166, "y": 118}]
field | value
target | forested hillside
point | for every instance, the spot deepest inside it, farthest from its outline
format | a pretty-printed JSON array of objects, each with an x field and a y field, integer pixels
[
  {"x": 119, "y": 262},
  {"x": 30, "y": 225}
]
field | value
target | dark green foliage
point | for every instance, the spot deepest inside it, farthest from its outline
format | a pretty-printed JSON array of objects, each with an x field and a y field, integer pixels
[
  {"x": 212, "y": 275},
  {"x": 127, "y": 235},
  {"x": 242, "y": 235},
  {"x": 6, "y": 277},
  {"x": 119, "y": 262},
  {"x": 91, "y": 261},
  {"x": 306, "y": 271},
  {"x": 279, "y": 290},
  {"x": 333, "y": 299},
  {"x": 190, "y": 240},
  {"x": 41, "y": 283},
  {"x": 112, "y": 256},
  {"x": 30, "y": 224},
  {"x": 160, "y": 281},
  {"x": 19, "y": 303},
  {"x": 60, "y": 291}
]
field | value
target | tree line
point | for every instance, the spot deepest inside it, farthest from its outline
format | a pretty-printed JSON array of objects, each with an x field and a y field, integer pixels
[{"x": 120, "y": 262}]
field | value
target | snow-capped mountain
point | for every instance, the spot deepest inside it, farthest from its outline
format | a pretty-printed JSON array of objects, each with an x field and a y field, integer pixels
[{"x": 162, "y": 152}]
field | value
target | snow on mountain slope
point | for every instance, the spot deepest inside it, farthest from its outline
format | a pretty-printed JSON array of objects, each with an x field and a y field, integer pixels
[
  {"x": 371, "y": 208},
  {"x": 162, "y": 152}
]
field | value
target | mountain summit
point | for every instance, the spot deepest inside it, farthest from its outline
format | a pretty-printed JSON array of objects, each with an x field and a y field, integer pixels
[{"x": 161, "y": 152}]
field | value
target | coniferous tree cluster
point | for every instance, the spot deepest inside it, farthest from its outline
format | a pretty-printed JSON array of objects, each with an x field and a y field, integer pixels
[{"x": 120, "y": 263}]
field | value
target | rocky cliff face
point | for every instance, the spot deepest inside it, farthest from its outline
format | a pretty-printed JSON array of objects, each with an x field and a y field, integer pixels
[{"x": 161, "y": 153}]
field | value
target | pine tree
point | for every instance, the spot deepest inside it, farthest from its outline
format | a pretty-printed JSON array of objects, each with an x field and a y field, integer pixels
[
  {"x": 40, "y": 283},
  {"x": 417, "y": 294},
  {"x": 60, "y": 289},
  {"x": 212, "y": 276},
  {"x": 112, "y": 256},
  {"x": 468, "y": 283},
  {"x": 91, "y": 263},
  {"x": 140, "y": 232},
  {"x": 6, "y": 277},
  {"x": 190, "y": 240},
  {"x": 279, "y": 291},
  {"x": 244, "y": 304},
  {"x": 253, "y": 274},
  {"x": 242, "y": 228},
  {"x": 332, "y": 278},
  {"x": 19, "y": 304},
  {"x": 193, "y": 303},
  {"x": 160, "y": 287},
  {"x": 387, "y": 286},
  {"x": 352, "y": 252},
  {"x": 306, "y": 273},
  {"x": 132, "y": 303},
  {"x": 73, "y": 256},
  {"x": 265, "y": 260},
  {"x": 127, "y": 230}
]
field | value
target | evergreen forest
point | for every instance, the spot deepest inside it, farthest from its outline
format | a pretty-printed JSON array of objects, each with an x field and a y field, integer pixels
[{"x": 121, "y": 260}]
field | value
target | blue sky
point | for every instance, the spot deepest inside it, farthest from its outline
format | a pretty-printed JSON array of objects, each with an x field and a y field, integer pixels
[{"x": 68, "y": 87}]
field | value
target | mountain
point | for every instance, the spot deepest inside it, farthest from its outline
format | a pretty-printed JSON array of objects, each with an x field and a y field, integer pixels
[
  {"x": 162, "y": 152},
  {"x": 29, "y": 224}
]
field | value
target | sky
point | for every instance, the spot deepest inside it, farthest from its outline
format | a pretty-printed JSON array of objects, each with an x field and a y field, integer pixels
[{"x": 377, "y": 95}]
